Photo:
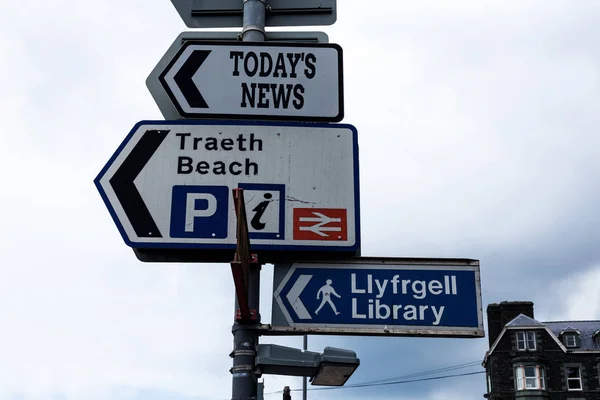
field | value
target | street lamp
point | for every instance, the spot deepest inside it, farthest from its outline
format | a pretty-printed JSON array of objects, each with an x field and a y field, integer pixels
[
  {"x": 333, "y": 367},
  {"x": 337, "y": 365}
]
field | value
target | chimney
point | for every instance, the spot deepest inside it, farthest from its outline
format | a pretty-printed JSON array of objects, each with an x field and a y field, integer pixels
[{"x": 501, "y": 314}]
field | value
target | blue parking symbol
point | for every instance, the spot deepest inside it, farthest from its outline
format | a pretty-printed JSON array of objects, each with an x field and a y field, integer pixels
[{"x": 199, "y": 212}]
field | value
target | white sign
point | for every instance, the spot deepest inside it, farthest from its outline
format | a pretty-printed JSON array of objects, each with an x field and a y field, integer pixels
[
  {"x": 170, "y": 185},
  {"x": 256, "y": 81},
  {"x": 163, "y": 101}
]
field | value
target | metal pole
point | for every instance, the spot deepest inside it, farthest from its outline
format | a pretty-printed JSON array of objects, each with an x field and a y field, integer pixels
[
  {"x": 254, "y": 21},
  {"x": 287, "y": 393},
  {"x": 254, "y": 31},
  {"x": 304, "y": 347},
  {"x": 246, "y": 272},
  {"x": 260, "y": 395},
  {"x": 244, "y": 382},
  {"x": 245, "y": 333}
]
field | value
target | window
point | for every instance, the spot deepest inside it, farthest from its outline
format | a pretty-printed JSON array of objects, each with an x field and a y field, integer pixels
[
  {"x": 530, "y": 377},
  {"x": 573, "y": 378},
  {"x": 570, "y": 337},
  {"x": 526, "y": 340},
  {"x": 570, "y": 340}
]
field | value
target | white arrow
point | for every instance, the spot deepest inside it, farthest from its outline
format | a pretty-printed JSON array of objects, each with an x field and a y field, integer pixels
[
  {"x": 293, "y": 296},
  {"x": 318, "y": 228}
]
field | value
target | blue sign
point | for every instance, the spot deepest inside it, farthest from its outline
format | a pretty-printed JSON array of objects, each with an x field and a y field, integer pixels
[
  {"x": 199, "y": 211},
  {"x": 367, "y": 294}
]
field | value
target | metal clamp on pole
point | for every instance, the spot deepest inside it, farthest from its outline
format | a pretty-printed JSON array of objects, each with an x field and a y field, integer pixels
[
  {"x": 262, "y": 1},
  {"x": 254, "y": 29},
  {"x": 242, "y": 368},
  {"x": 243, "y": 353}
]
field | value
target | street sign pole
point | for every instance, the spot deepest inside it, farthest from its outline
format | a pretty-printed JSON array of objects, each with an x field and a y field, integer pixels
[
  {"x": 304, "y": 347},
  {"x": 246, "y": 270},
  {"x": 254, "y": 21},
  {"x": 245, "y": 332}
]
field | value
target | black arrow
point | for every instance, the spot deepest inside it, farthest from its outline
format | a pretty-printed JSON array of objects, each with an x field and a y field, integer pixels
[
  {"x": 125, "y": 190},
  {"x": 183, "y": 78}
]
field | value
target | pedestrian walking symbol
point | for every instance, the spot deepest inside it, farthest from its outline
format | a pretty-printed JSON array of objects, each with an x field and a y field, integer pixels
[{"x": 327, "y": 290}]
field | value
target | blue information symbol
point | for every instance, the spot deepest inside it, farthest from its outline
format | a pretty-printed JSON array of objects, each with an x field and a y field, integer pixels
[{"x": 199, "y": 212}]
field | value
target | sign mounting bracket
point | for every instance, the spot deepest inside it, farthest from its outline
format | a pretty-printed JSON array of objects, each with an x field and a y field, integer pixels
[{"x": 243, "y": 259}]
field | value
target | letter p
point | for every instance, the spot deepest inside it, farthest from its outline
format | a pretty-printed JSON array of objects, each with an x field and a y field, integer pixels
[
  {"x": 191, "y": 212},
  {"x": 199, "y": 212}
]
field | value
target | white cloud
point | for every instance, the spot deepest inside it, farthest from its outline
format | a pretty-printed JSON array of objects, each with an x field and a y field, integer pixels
[
  {"x": 478, "y": 134},
  {"x": 576, "y": 297}
]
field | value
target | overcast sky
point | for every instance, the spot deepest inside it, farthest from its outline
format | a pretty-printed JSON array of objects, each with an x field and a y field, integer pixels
[{"x": 478, "y": 128}]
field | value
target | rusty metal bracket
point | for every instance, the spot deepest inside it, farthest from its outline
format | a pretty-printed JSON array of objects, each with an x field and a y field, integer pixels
[
  {"x": 242, "y": 259},
  {"x": 253, "y": 315}
]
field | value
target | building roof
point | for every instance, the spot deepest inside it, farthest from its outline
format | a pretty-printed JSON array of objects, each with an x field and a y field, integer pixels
[
  {"x": 523, "y": 321},
  {"x": 586, "y": 331}
]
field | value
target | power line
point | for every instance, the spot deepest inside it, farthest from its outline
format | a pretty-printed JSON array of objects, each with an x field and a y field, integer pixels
[
  {"x": 395, "y": 381},
  {"x": 429, "y": 372}
]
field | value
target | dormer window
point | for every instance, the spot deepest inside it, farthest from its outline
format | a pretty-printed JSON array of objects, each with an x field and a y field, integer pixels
[
  {"x": 525, "y": 340},
  {"x": 570, "y": 337},
  {"x": 596, "y": 337},
  {"x": 570, "y": 340}
]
